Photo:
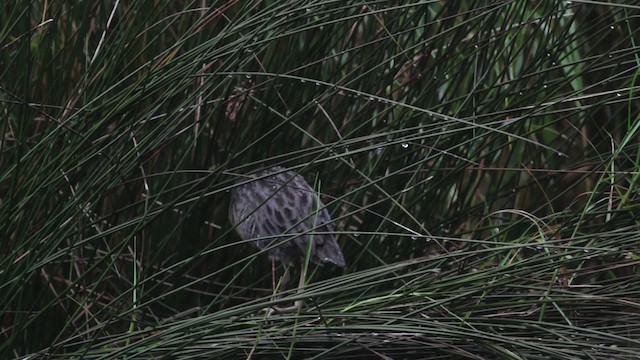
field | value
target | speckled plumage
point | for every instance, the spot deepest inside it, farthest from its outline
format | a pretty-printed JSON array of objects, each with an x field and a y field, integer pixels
[{"x": 280, "y": 202}]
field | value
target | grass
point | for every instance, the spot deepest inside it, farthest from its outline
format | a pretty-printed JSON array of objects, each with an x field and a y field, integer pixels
[{"x": 480, "y": 160}]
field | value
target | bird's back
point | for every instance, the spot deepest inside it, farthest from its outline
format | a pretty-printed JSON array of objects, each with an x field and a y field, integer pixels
[{"x": 274, "y": 202}]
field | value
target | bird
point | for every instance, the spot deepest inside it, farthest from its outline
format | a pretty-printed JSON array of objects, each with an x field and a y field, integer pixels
[{"x": 275, "y": 208}]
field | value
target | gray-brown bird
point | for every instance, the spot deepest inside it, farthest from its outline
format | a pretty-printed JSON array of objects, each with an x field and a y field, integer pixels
[{"x": 277, "y": 208}]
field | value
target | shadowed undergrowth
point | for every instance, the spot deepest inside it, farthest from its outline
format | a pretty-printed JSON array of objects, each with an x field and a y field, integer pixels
[{"x": 480, "y": 160}]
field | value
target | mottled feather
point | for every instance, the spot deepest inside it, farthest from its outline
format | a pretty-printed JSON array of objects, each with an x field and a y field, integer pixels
[{"x": 276, "y": 201}]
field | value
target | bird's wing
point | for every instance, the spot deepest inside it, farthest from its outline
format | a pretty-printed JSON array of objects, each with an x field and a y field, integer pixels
[{"x": 318, "y": 227}]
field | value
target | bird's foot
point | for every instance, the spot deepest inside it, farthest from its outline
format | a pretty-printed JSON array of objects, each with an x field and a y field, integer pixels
[{"x": 296, "y": 307}]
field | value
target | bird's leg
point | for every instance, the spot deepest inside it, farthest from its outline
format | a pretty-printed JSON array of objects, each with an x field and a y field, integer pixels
[
  {"x": 281, "y": 285},
  {"x": 273, "y": 275},
  {"x": 298, "y": 304},
  {"x": 303, "y": 277},
  {"x": 284, "y": 281},
  {"x": 279, "y": 288}
]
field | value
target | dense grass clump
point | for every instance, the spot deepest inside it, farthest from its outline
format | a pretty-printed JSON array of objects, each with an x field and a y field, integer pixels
[{"x": 480, "y": 160}]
